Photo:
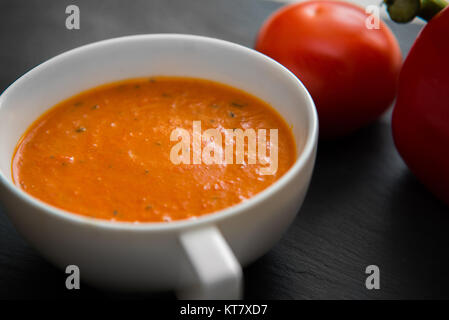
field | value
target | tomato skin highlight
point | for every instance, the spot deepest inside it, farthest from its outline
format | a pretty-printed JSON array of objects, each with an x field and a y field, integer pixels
[
  {"x": 350, "y": 71},
  {"x": 420, "y": 121}
]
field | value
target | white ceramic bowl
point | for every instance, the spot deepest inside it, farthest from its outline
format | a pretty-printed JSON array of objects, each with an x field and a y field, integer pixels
[{"x": 199, "y": 258}]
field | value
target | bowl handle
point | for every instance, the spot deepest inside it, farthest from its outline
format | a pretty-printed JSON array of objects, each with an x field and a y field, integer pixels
[{"x": 217, "y": 269}]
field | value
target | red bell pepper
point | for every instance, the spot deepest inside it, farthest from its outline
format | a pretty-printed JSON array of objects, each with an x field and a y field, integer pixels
[{"x": 421, "y": 115}]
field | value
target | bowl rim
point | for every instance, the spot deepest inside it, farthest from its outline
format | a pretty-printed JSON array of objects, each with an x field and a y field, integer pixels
[{"x": 214, "y": 217}]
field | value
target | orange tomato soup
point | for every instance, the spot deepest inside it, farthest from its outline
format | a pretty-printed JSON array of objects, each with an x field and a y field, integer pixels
[{"x": 105, "y": 153}]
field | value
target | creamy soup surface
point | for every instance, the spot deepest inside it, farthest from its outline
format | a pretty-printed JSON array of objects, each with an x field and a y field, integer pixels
[{"x": 105, "y": 153}]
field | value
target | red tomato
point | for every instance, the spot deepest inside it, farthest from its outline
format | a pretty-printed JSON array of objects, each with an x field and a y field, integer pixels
[{"x": 350, "y": 71}]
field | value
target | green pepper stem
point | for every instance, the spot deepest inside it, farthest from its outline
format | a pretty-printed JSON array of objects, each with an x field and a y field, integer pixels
[
  {"x": 406, "y": 10},
  {"x": 429, "y": 8}
]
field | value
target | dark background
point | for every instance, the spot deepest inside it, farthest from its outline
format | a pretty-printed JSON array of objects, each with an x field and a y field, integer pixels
[{"x": 363, "y": 207}]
